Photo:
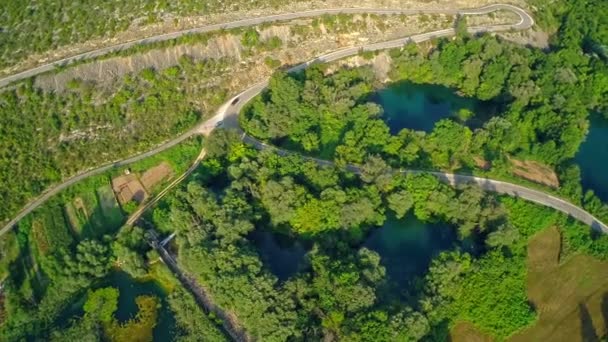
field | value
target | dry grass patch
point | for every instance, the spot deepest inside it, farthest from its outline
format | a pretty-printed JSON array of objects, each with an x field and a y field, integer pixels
[
  {"x": 156, "y": 175},
  {"x": 466, "y": 332},
  {"x": 534, "y": 171},
  {"x": 571, "y": 299}
]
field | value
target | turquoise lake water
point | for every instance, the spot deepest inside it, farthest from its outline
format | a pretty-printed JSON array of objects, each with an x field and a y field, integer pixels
[
  {"x": 592, "y": 158},
  {"x": 406, "y": 248},
  {"x": 408, "y": 245},
  {"x": 420, "y": 106}
]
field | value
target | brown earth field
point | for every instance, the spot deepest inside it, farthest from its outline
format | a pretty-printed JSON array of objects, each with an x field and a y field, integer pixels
[
  {"x": 535, "y": 172},
  {"x": 571, "y": 298},
  {"x": 155, "y": 175},
  {"x": 127, "y": 188}
]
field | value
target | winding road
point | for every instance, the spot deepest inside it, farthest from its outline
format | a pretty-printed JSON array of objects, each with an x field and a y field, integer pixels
[
  {"x": 228, "y": 113},
  {"x": 526, "y": 22}
]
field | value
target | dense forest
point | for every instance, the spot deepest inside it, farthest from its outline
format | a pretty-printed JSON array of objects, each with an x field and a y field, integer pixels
[
  {"x": 55, "y": 281},
  {"x": 35, "y": 305},
  {"x": 544, "y": 99},
  {"x": 339, "y": 292}
]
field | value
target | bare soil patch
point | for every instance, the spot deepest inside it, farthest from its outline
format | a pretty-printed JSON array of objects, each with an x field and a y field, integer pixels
[
  {"x": 543, "y": 254},
  {"x": 156, "y": 175},
  {"x": 533, "y": 37},
  {"x": 128, "y": 188},
  {"x": 571, "y": 299},
  {"x": 534, "y": 171},
  {"x": 482, "y": 163}
]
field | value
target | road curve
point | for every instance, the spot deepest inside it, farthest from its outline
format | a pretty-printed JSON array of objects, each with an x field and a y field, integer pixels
[
  {"x": 228, "y": 113},
  {"x": 486, "y": 184},
  {"x": 526, "y": 22}
]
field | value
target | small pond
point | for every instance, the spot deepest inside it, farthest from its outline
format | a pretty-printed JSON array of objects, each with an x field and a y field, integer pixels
[
  {"x": 592, "y": 158},
  {"x": 408, "y": 245},
  {"x": 129, "y": 289},
  {"x": 420, "y": 106}
]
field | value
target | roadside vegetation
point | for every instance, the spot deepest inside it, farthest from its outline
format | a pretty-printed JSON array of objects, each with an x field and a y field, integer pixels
[
  {"x": 73, "y": 243},
  {"x": 543, "y": 101},
  {"x": 29, "y": 27},
  {"x": 48, "y": 137}
]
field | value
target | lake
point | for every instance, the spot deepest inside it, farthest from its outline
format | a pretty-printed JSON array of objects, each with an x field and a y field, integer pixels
[
  {"x": 420, "y": 106},
  {"x": 592, "y": 158},
  {"x": 407, "y": 246}
]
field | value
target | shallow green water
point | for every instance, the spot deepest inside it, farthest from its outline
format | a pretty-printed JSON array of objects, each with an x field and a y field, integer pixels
[
  {"x": 420, "y": 106},
  {"x": 408, "y": 245},
  {"x": 592, "y": 158},
  {"x": 127, "y": 308},
  {"x": 129, "y": 289}
]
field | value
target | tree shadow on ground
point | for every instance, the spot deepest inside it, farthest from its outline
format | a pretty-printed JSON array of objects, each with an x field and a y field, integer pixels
[{"x": 588, "y": 333}]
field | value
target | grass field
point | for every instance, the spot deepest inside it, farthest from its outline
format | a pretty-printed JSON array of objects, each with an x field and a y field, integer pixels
[
  {"x": 109, "y": 206},
  {"x": 93, "y": 211},
  {"x": 571, "y": 298},
  {"x": 9, "y": 251}
]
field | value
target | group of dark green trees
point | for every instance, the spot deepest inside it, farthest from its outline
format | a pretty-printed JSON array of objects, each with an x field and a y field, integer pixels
[
  {"x": 544, "y": 99},
  {"x": 39, "y": 292},
  {"x": 340, "y": 290}
]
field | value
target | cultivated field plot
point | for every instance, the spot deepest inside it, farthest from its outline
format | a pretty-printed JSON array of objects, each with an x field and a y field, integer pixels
[
  {"x": 109, "y": 206},
  {"x": 94, "y": 213},
  {"x": 535, "y": 172},
  {"x": 155, "y": 175},
  {"x": 571, "y": 299},
  {"x": 128, "y": 188},
  {"x": 49, "y": 230}
]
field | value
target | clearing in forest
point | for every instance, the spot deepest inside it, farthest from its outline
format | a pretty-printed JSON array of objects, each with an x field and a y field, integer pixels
[
  {"x": 535, "y": 172},
  {"x": 571, "y": 299}
]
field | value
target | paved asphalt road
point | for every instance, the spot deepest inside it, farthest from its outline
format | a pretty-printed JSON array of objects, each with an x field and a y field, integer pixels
[
  {"x": 228, "y": 113},
  {"x": 526, "y": 22}
]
